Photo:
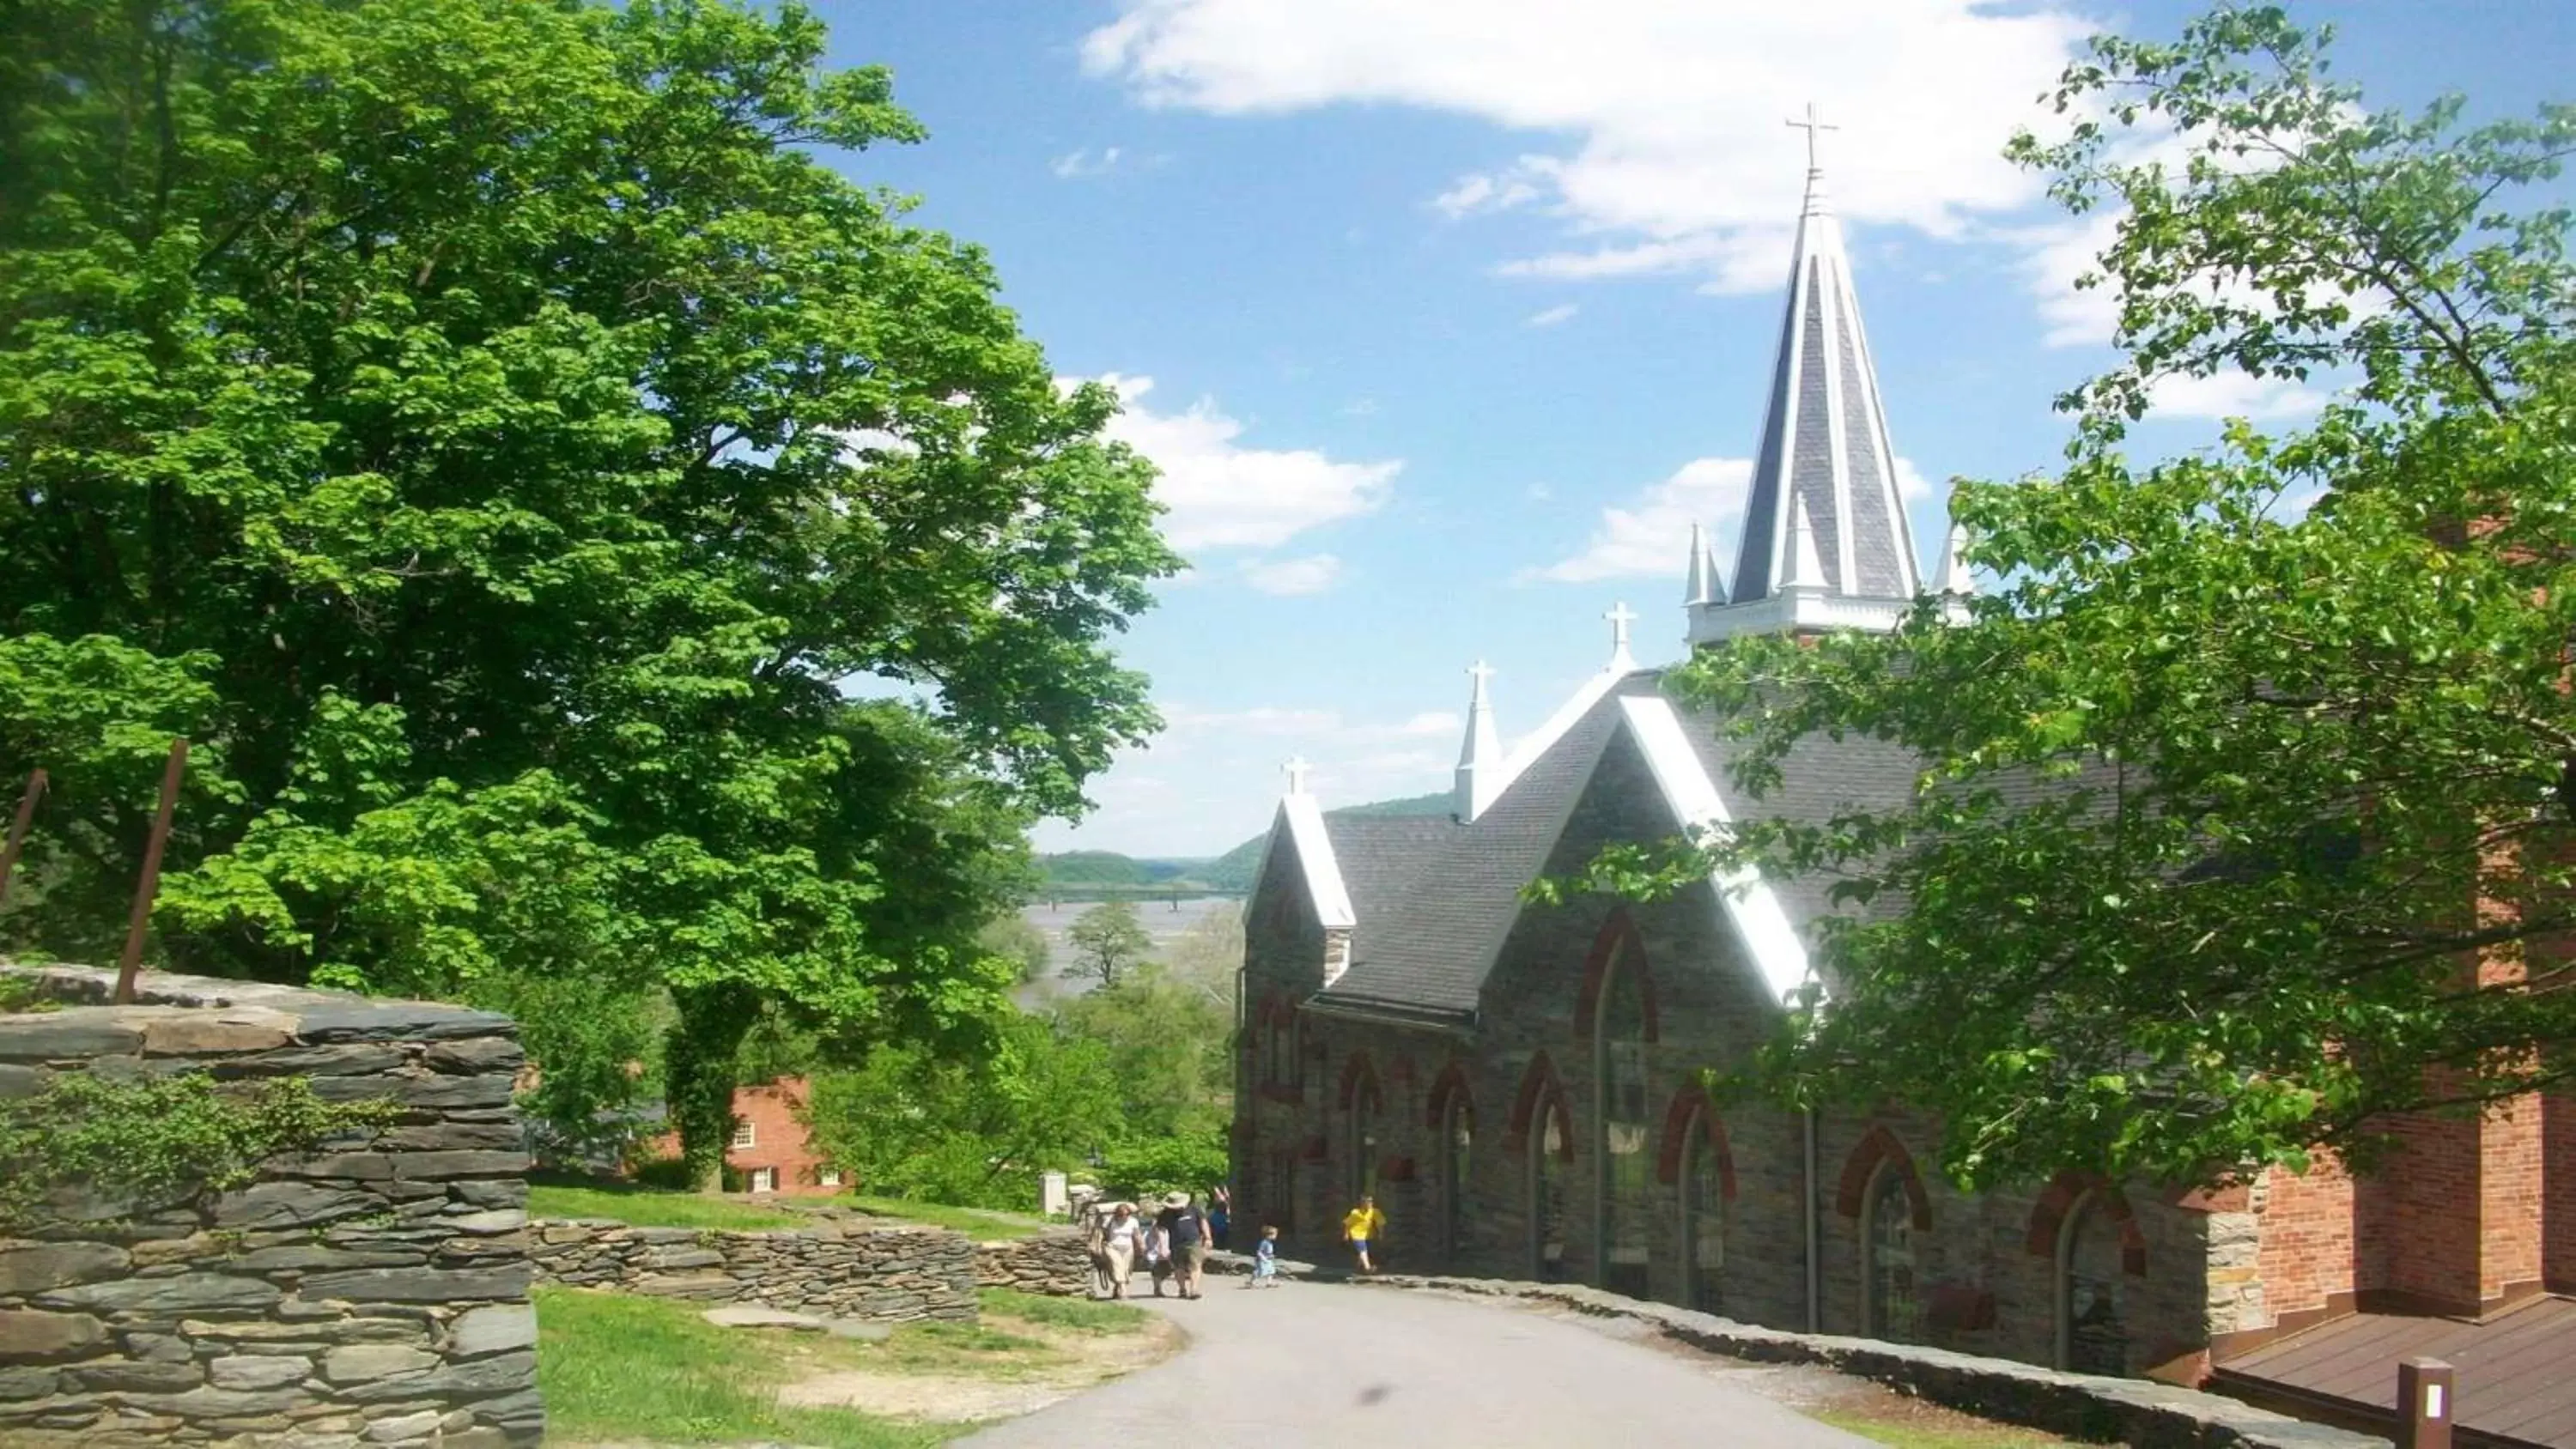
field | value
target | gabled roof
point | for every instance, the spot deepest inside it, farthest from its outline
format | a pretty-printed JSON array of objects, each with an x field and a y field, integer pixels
[{"x": 1305, "y": 822}]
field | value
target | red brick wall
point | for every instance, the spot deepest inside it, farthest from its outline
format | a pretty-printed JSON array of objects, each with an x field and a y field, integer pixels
[
  {"x": 2558, "y": 1193},
  {"x": 2307, "y": 1237},
  {"x": 778, "y": 1139}
]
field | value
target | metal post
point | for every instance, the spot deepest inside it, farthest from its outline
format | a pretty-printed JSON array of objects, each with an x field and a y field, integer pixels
[
  {"x": 2426, "y": 1404},
  {"x": 150, "y": 885},
  {"x": 18, "y": 830}
]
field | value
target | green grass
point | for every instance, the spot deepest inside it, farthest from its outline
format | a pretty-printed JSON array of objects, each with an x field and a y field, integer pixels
[
  {"x": 1073, "y": 1315},
  {"x": 653, "y": 1208},
  {"x": 614, "y": 1367},
  {"x": 980, "y": 1223},
  {"x": 1926, "y": 1436}
]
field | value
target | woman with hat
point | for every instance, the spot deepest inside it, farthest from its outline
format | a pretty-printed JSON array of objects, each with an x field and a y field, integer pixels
[{"x": 1186, "y": 1229}]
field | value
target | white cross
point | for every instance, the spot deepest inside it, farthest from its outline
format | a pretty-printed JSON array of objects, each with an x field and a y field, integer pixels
[
  {"x": 1815, "y": 122},
  {"x": 1480, "y": 671},
  {"x": 1296, "y": 768},
  {"x": 1620, "y": 618}
]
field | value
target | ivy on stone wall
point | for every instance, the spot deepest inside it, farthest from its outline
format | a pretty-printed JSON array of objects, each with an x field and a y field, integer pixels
[{"x": 157, "y": 1141}]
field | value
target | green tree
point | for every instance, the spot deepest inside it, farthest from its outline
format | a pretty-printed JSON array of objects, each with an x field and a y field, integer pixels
[
  {"x": 1011, "y": 937},
  {"x": 1108, "y": 942},
  {"x": 497, "y": 434},
  {"x": 1167, "y": 1042},
  {"x": 2304, "y": 776}
]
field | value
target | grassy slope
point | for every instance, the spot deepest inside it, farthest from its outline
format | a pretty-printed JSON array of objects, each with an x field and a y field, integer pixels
[
  {"x": 978, "y": 1223},
  {"x": 615, "y": 1367},
  {"x": 653, "y": 1208}
]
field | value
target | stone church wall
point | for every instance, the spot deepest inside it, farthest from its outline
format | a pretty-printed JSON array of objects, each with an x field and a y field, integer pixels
[
  {"x": 1988, "y": 1268},
  {"x": 377, "y": 1293}
]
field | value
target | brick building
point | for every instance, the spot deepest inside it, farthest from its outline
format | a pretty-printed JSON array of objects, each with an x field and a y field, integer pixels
[
  {"x": 770, "y": 1152},
  {"x": 1518, "y": 1084}
]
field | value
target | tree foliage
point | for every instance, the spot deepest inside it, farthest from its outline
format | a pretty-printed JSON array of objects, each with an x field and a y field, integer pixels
[
  {"x": 1108, "y": 942},
  {"x": 495, "y": 433},
  {"x": 2242, "y": 822}
]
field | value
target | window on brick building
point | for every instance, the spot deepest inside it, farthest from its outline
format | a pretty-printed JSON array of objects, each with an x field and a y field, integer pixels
[
  {"x": 1704, "y": 1217},
  {"x": 2092, "y": 1332},
  {"x": 1457, "y": 1142},
  {"x": 744, "y": 1138},
  {"x": 1547, "y": 1215},
  {"x": 1893, "y": 1310},
  {"x": 828, "y": 1177},
  {"x": 1623, "y": 1164},
  {"x": 764, "y": 1179}
]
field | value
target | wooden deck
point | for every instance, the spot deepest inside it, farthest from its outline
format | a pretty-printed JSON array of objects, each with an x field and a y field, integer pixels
[{"x": 2517, "y": 1370}]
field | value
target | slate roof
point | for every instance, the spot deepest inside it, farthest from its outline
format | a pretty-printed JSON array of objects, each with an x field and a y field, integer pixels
[{"x": 1427, "y": 949}]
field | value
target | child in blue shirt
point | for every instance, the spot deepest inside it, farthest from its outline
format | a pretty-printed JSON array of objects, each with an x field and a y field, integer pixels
[{"x": 1265, "y": 1261}]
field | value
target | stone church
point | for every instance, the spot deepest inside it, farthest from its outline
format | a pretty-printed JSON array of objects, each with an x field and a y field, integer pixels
[{"x": 1518, "y": 1084}]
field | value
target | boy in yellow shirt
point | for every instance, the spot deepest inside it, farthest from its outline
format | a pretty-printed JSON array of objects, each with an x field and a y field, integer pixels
[{"x": 1361, "y": 1224}]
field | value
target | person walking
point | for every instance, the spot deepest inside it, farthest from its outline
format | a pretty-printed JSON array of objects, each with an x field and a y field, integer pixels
[
  {"x": 1158, "y": 1252},
  {"x": 1121, "y": 1238},
  {"x": 1265, "y": 1261},
  {"x": 1361, "y": 1226},
  {"x": 1186, "y": 1228},
  {"x": 1220, "y": 1215}
]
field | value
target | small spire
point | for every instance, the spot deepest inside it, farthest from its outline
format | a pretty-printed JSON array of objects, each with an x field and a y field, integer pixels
[
  {"x": 1481, "y": 757},
  {"x": 1296, "y": 769},
  {"x": 1954, "y": 564},
  {"x": 1702, "y": 587},
  {"x": 1806, "y": 570},
  {"x": 1620, "y": 617}
]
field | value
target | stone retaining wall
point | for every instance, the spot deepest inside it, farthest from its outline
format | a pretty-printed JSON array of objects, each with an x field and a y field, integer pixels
[
  {"x": 1051, "y": 1262},
  {"x": 2139, "y": 1413},
  {"x": 889, "y": 1274},
  {"x": 375, "y": 1293}
]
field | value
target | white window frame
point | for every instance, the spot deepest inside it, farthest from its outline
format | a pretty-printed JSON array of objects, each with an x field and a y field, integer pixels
[
  {"x": 763, "y": 1179},
  {"x": 745, "y": 1137},
  {"x": 827, "y": 1177}
]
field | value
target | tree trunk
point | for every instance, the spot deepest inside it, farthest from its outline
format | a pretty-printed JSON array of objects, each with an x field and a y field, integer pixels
[{"x": 699, "y": 1067}]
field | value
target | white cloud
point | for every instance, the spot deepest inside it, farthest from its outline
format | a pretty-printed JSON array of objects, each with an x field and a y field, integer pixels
[
  {"x": 1911, "y": 485},
  {"x": 1562, "y": 312},
  {"x": 2232, "y": 395},
  {"x": 1291, "y": 576},
  {"x": 1222, "y": 494},
  {"x": 1674, "y": 155},
  {"x": 1085, "y": 163},
  {"x": 1650, "y": 538}
]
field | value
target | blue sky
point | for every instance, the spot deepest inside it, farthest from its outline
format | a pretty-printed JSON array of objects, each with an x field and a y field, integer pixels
[{"x": 1445, "y": 318}]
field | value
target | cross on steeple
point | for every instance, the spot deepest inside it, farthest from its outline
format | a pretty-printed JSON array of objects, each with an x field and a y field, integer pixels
[
  {"x": 1296, "y": 769},
  {"x": 1620, "y": 617},
  {"x": 1815, "y": 122},
  {"x": 1480, "y": 671}
]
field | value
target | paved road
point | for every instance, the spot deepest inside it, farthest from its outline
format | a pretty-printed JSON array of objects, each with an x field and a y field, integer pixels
[{"x": 1324, "y": 1364}]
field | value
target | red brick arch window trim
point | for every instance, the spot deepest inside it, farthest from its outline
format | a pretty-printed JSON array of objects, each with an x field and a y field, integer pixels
[
  {"x": 1691, "y": 1107},
  {"x": 1617, "y": 941},
  {"x": 1450, "y": 1085},
  {"x": 1540, "y": 1092},
  {"x": 1359, "y": 1073},
  {"x": 2058, "y": 1201},
  {"x": 1877, "y": 1146}
]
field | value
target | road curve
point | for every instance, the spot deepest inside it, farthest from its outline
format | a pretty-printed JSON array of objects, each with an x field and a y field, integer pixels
[{"x": 1325, "y": 1364}]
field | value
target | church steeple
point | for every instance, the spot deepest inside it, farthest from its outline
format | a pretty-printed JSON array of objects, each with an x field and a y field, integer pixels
[
  {"x": 1825, "y": 451},
  {"x": 1480, "y": 759}
]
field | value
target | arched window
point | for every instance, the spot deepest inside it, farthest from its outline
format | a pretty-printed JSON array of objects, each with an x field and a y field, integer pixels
[
  {"x": 1550, "y": 1143},
  {"x": 1360, "y": 1177},
  {"x": 1704, "y": 1216},
  {"x": 2092, "y": 1327},
  {"x": 1623, "y": 1159},
  {"x": 1457, "y": 1141},
  {"x": 1887, "y": 1244}
]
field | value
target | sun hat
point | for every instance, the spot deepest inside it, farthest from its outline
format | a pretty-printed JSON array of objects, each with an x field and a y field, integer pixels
[{"x": 1176, "y": 1199}]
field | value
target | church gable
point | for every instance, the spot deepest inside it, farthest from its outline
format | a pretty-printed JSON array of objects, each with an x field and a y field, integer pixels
[{"x": 1283, "y": 934}]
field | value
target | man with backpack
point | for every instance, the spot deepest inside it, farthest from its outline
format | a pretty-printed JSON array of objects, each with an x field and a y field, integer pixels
[{"x": 1186, "y": 1228}]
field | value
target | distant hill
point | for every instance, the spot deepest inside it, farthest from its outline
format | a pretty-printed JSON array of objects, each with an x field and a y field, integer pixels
[{"x": 1232, "y": 871}]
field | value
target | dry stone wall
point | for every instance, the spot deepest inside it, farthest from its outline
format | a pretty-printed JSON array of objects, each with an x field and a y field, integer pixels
[
  {"x": 886, "y": 1274},
  {"x": 371, "y": 1294},
  {"x": 1051, "y": 1262}
]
